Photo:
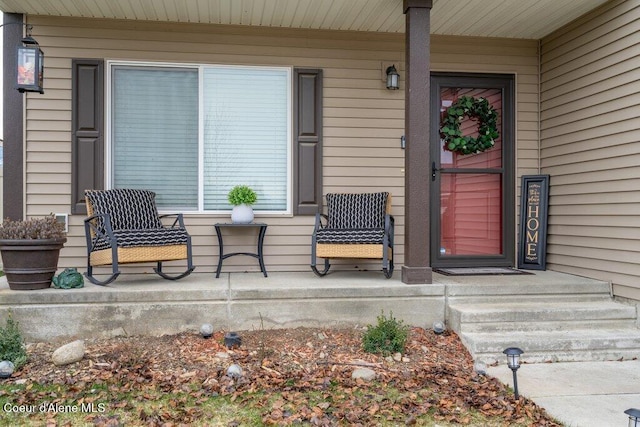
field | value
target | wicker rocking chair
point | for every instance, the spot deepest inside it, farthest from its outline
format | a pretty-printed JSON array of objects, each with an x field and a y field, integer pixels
[
  {"x": 355, "y": 226},
  {"x": 123, "y": 226}
]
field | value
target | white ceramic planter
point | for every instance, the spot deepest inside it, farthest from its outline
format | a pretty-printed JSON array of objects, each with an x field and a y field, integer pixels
[{"x": 242, "y": 214}]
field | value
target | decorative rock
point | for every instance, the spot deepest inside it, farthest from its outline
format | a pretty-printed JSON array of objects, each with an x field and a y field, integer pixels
[
  {"x": 118, "y": 332},
  {"x": 6, "y": 368},
  {"x": 397, "y": 357},
  {"x": 234, "y": 371},
  {"x": 405, "y": 360},
  {"x": 364, "y": 374},
  {"x": 222, "y": 355},
  {"x": 68, "y": 353},
  {"x": 206, "y": 330},
  {"x": 490, "y": 361},
  {"x": 480, "y": 367}
]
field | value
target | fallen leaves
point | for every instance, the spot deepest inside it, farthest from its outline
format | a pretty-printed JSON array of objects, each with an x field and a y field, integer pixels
[{"x": 289, "y": 375}]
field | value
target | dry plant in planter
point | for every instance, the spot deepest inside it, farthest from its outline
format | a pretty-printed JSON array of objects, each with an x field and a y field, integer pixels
[{"x": 30, "y": 250}]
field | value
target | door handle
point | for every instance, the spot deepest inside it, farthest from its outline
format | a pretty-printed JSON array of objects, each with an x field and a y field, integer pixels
[{"x": 434, "y": 169}]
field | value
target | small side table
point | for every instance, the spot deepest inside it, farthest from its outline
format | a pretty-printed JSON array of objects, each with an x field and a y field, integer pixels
[{"x": 262, "y": 231}]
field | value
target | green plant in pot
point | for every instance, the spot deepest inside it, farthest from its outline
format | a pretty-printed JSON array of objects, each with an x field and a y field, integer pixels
[
  {"x": 242, "y": 197},
  {"x": 30, "y": 250}
]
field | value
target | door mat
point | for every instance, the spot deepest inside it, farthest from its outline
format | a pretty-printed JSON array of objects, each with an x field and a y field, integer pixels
[{"x": 479, "y": 271}]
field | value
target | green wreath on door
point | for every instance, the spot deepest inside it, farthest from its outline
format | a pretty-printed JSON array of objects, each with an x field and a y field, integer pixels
[{"x": 477, "y": 109}]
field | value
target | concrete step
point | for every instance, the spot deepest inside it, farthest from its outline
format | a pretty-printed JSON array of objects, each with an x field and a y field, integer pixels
[
  {"x": 556, "y": 346},
  {"x": 540, "y": 299},
  {"x": 541, "y": 286},
  {"x": 565, "y": 318},
  {"x": 565, "y": 325},
  {"x": 546, "y": 316}
]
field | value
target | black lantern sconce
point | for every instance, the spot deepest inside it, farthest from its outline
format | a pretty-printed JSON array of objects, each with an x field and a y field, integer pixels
[
  {"x": 513, "y": 361},
  {"x": 393, "y": 78},
  {"x": 30, "y": 75},
  {"x": 634, "y": 417},
  {"x": 30, "y": 64}
]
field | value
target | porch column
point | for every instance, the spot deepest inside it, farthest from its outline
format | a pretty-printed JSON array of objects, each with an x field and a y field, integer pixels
[
  {"x": 417, "y": 268},
  {"x": 13, "y": 111}
]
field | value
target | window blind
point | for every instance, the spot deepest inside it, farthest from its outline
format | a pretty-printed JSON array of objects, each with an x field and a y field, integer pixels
[
  {"x": 245, "y": 135},
  {"x": 155, "y": 133}
]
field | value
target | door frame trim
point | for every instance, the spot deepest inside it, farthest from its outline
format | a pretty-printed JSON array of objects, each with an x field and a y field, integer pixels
[{"x": 506, "y": 82}]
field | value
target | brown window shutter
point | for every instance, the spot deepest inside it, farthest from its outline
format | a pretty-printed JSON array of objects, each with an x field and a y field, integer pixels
[
  {"x": 87, "y": 127},
  {"x": 307, "y": 147}
]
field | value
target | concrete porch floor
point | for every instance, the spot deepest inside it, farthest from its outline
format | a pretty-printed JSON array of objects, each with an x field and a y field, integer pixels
[{"x": 138, "y": 304}]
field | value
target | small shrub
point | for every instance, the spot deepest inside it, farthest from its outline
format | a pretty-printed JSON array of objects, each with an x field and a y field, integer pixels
[
  {"x": 12, "y": 346},
  {"x": 387, "y": 337},
  {"x": 33, "y": 228}
]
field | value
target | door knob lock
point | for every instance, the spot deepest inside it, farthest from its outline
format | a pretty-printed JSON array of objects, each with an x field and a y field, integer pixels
[{"x": 434, "y": 169}]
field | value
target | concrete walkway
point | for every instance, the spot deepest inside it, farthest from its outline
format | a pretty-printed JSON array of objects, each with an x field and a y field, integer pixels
[{"x": 579, "y": 394}]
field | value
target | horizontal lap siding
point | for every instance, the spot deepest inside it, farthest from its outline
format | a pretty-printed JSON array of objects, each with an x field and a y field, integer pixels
[
  {"x": 363, "y": 122},
  {"x": 590, "y": 133}
]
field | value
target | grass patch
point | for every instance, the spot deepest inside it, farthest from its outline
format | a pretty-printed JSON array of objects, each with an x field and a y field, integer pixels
[
  {"x": 38, "y": 406},
  {"x": 41, "y": 404}
]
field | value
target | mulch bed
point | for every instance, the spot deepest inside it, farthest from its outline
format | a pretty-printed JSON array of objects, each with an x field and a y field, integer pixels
[{"x": 435, "y": 375}]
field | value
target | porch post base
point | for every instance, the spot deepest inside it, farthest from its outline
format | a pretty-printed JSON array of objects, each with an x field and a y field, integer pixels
[{"x": 417, "y": 275}]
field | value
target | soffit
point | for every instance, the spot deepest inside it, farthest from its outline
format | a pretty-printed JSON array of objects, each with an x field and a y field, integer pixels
[{"x": 485, "y": 18}]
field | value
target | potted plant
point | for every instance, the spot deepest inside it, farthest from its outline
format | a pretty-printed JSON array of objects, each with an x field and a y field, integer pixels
[
  {"x": 30, "y": 250},
  {"x": 242, "y": 197}
]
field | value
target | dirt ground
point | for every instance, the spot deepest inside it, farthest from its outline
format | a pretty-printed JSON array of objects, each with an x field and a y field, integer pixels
[{"x": 434, "y": 375}]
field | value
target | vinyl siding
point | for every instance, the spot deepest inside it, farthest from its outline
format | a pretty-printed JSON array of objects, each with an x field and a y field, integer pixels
[
  {"x": 590, "y": 128},
  {"x": 363, "y": 122}
]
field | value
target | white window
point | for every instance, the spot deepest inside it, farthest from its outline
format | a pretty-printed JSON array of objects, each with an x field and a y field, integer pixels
[{"x": 191, "y": 133}]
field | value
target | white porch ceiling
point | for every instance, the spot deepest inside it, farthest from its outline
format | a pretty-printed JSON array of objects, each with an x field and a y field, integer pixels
[{"x": 528, "y": 19}]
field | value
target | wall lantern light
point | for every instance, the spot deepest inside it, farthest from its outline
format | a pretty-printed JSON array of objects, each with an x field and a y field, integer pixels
[
  {"x": 393, "y": 78},
  {"x": 513, "y": 361},
  {"x": 634, "y": 417},
  {"x": 30, "y": 64},
  {"x": 30, "y": 75}
]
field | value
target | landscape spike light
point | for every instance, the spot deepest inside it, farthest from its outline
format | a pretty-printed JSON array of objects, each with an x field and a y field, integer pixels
[
  {"x": 439, "y": 327},
  {"x": 634, "y": 417},
  {"x": 513, "y": 361}
]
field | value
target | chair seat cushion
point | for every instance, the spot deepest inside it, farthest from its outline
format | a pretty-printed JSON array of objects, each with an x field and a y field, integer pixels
[
  {"x": 145, "y": 237},
  {"x": 350, "y": 236}
]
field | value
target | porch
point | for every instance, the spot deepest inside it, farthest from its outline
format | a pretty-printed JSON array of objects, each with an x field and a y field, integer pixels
[
  {"x": 552, "y": 316},
  {"x": 147, "y": 304}
]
